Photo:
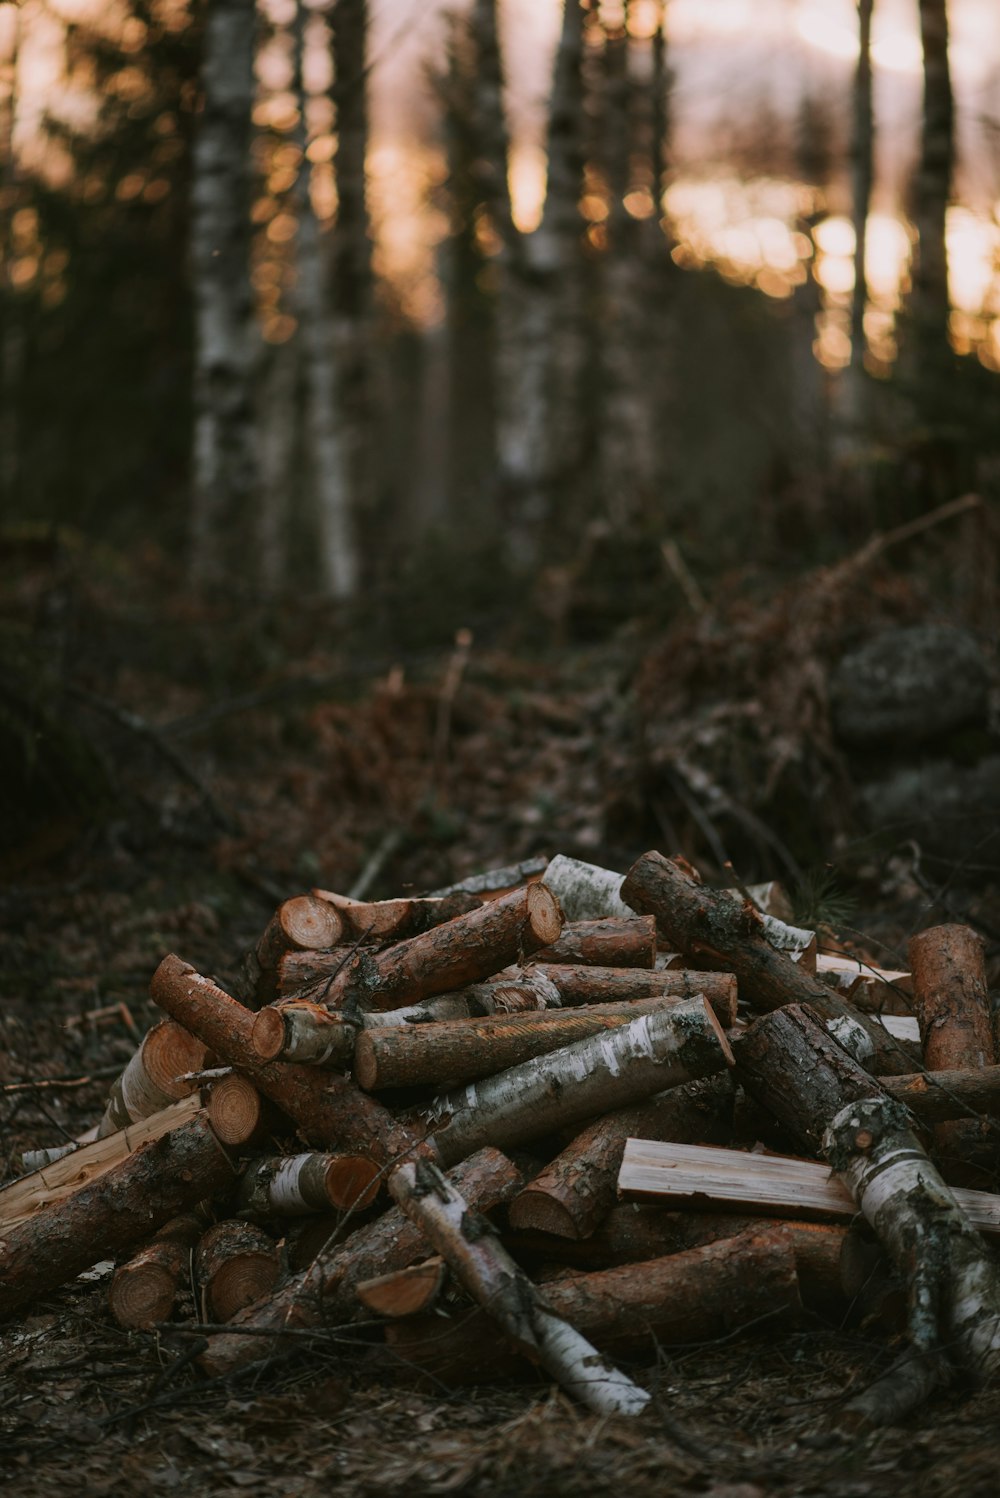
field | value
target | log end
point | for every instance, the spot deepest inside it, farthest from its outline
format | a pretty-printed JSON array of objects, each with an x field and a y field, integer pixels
[
  {"x": 538, "y": 1211},
  {"x": 352, "y": 1181},
  {"x": 311, "y": 924},
  {"x": 235, "y": 1109},
  {"x": 365, "y": 1062},
  {"x": 545, "y": 917},
  {"x": 268, "y": 1034},
  {"x": 141, "y": 1295}
]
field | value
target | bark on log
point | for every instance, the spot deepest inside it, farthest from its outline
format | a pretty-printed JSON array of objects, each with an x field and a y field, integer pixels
[
  {"x": 577, "y": 1189},
  {"x": 143, "y": 1291},
  {"x": 779, "y": 1050},
  {"x": 952, "y": 1004},
  {"x": 615, "y": 941},
  {"x": 686, "y": 1175},
  {"x": 935, "y": 1097},
  {"x": 300, "y": 1031},
  {"x": 723, "y": 933},
  {"x": 463, "y": 950},
  {"x": 712, "y": 1291},
  {"x": 150, "y": 1081},
  {"x": 235, "y": 1264},
  {"x": 459, "y": 1051},
  {"x": 324, "y": 1294},
  {"x": 392, "y": 920},
  {"x": 295, "y": 1185},
  {"x": 577, "y": 986},
  {"x": 405, "y": 1292},
  {"x": 488, "y": 1273},
  {"x": 953, "y": 1283},
  {"x": 647, "y": 1055},
  {"x": 585, "y": 891},
  {"x": 53, "y": 1183},
  {"x": 121, "y": 1208},
  {"x": 494, "y": 882},
  {"x": 328, "y": 1111}
]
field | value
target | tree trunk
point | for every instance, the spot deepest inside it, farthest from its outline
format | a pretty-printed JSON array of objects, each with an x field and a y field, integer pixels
[
  {"x": 862, "y": 172},
  {"x": 928, "y": 355},
  {"x": 488, "y": 1273},
  {"x": 646, "y": 1055},
  {"x": 119, "y": 1209},
  {"x": 143, "y": 1291},
  {"x": 719, "y": 931},
  {"x": 235, "y": 1264},
  {"x": 224, "y": 457},
  {"x": 324, "y": 1294}
]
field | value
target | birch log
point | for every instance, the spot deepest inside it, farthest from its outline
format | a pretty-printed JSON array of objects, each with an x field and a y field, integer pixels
[
  {"x": 463, "y": 950},
  {"x": 324, "y": 1294},
  {"x": 329, "y": 1111},
  {"x": 484, "y": 1268},
  {"x": 300, "y": 1031},
  {"x": 121, "y": 1208},
  {"x": 721, "y": 932},
  {"x": 585, "y": 891},
  {"x": 647, "y": 1055},
  {"x": 150, "y": 1081},
  {"x": 143, "y": 1291},
  {"x": 295, "y": 1185}
]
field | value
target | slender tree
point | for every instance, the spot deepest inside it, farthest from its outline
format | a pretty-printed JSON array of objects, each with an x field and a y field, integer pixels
[
  {"x": 12, "y": 336},
  {"x": 862, "y": 171},
  {"x": 225, "y": 336},
  {"x": 926, "y": 357}
]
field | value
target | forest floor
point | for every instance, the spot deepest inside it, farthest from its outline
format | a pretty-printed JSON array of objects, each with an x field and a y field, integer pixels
[{"x": 226, "y": 766}]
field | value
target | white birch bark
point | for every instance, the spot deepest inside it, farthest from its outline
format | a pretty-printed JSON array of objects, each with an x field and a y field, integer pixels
[
  {"x": 585, "y": 891},
  {"x": 223, "y": 474},
  {"x": 486, "y": 1270},
  {"x": 953, "y": 1284},
  {"x": 592, "y": 1076},
  {"x": 338, "y": 559},
  {"x": 286, "y": 1186}
]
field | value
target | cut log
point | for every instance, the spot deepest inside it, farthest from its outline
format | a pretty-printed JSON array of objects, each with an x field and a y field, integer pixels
[
  {"x": 647, "y": 1055},
  {"x": 235, "y": 1263},
  {"x": 392, "y": 920},
  {"x": 463, "y": 1050},
  {"x": 720, "y": 932},
  {"x": 486, "y": 1271},
  {"x": 494, "y": 882},
  {"x": 575, "y": 1192},
  {"x": 328, "y": 1111},
  {"x": 875, "y": 989},
  {"x": 237, "y": 1112},
  {"x": 615, "y": 941},
  {"x": 935, "y": 1097},
  {"x": 577, "y": 986},
  {"x": 300, "y": 1031},
  {"x": 295, "y": 1185},
  {"x": 689, "y": 1175},
  {"x": 953, "y": 1283},
  {"x": 302, "y": 924},
  {"x": 143, "y": 1291},
  {"x": 118, "y": 1210},
  {"x": 462, "y": 951},
  {"x": 53, "y": 1183},
  {"x": 952, "y": 1005},
  {"x": 324, "y": 1294},
  {"x": 151, "y": 1082},
  {"x": 585, "y": 891},
  {"x": 405, "y": 1292},
  {"x": 713, "y": 1291}
]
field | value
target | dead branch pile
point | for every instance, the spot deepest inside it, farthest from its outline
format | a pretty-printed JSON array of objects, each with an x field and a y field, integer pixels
[{"x": 549, "y": 1116}]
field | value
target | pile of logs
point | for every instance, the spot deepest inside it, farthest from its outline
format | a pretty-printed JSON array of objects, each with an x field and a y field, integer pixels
[{"x": 550, "y": 1116}]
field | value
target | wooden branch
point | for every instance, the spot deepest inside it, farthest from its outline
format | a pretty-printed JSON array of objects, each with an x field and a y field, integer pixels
[
  {"x": 585, "y": 891},
  {"x": 577, "y": 985},
  {"x": 328, "y": 1111},
  {"x": 53, "y": 1183},
  {"x": 235, "y": 1263},
  {"x": 119, "y": 1209},
  {"x": 404, "y": 1292},
  {"x": 952, "y": 1004},
  {"x": 487, "y": 1272},
  {"x": 463, "y": 950},
  {"x": 721, "y": 932},
  {"x": 143, "y": 1291},
  {"x": 292, "y": 1185},
  {"x": 657, "y": 1051},
  {"x": 392, "y": 920},
  {"x": 699, "y": 1295},
  {"x": 576, "y": 1190},
  {"x": 150, "y": 1081},
  {"x": 325, "y": 1293},
  {"x": 456, "y": 1051},
  {"x": 682, "y": 1175},
  {"x": 614, "y": 941}
]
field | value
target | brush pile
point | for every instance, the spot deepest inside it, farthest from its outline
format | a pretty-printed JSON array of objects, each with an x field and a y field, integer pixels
[{"x": 548, "y": 1116}]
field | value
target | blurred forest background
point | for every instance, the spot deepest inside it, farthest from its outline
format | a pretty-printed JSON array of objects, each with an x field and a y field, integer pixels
[{"x": 331, "y": 329}]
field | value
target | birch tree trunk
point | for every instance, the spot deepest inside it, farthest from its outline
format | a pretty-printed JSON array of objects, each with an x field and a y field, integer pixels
[
  {"x": 223, "y": 474},
  {"x": 338, "y": 561}
]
